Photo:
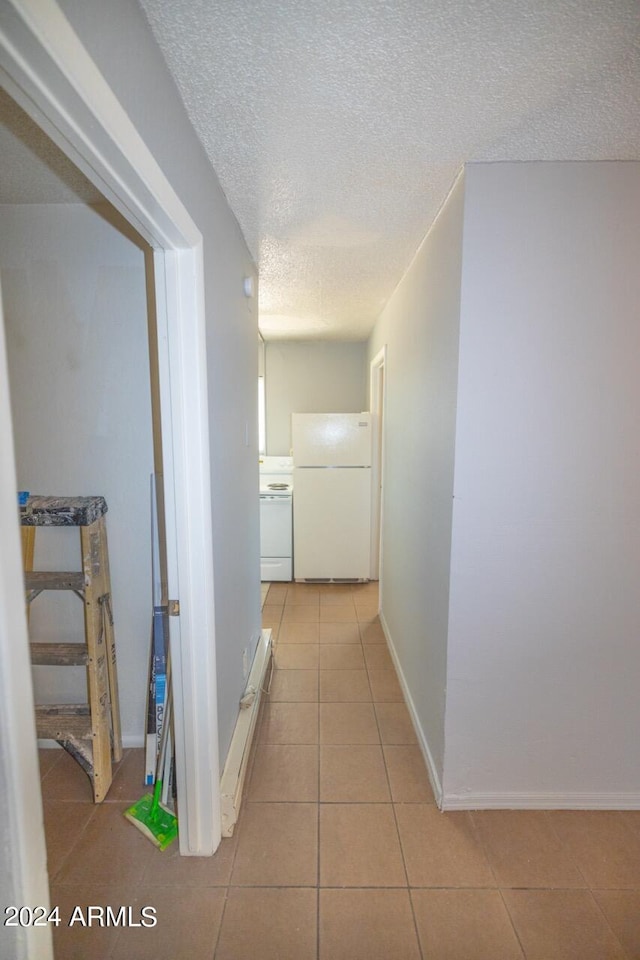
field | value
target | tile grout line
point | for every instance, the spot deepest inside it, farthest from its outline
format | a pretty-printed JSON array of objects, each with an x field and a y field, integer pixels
[
  {"x": 55, "y": 763},
  {"x": 565, "y": 848},
  {"x": 318, "y": 755},
  {"x": 588, "y": 887},
  {"x": 318, "y": 865},
  {"x": 497, "y": 887},
  {"x": 606, "y": 920},
  {"x": 228, "y": 887},
  {"x": 238, "y": 825},
  {"x": 222, "y": 916},
  {"x": 76, "y": 842},
  {"x": 318, "y": 833},
  {"x": 395, "y": 820}
]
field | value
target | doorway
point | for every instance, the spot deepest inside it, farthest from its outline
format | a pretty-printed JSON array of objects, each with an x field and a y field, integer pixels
[
  {"x": 76, "y": 329},
  {"x": 49, "y": 73}
]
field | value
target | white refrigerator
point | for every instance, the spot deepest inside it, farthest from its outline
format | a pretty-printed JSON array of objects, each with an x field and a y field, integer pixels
[{"x": 332, "y": 495}]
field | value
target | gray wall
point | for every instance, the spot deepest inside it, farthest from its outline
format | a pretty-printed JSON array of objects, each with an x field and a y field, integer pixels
[
  {"x": 310, "y": 377},
  {"x": 511, "y": 582},
  {"x": 77, "y": 343},
  {"x": 119, "y": 40},
  {"x": 420, "y": 327},
  {"x": 544, "y": 658}
]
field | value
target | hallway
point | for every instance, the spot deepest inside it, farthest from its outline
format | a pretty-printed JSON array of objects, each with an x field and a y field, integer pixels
[{"x": 340, "y": 852}]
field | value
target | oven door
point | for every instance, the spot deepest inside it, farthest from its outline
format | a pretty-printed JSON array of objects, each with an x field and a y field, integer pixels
[{"x": 275, "y": 526}]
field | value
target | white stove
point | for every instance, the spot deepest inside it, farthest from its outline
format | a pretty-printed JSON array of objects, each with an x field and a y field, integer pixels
[
  {"x": 276, "y": 527},
  {"x": 270, "y": 486}
]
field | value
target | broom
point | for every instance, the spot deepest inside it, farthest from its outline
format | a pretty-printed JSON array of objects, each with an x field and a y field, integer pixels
[{"x": 149, "y": 814}]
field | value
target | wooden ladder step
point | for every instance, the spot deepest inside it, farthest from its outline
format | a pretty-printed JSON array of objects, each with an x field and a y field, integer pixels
[
  {"x": 53, "y": 580},
  {"x": 90, "y": 732},
  {"x": 59, "y": 654},
  {"x": 62, "y": 721}
]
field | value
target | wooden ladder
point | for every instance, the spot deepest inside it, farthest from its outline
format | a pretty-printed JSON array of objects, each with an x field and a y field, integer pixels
[{"x": 89, "y": 731}]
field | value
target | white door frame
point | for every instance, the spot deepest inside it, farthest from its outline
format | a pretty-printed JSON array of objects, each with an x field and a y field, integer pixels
[
  {"x": 47, "y": 70},
  {"x": 377, "y": 395}
]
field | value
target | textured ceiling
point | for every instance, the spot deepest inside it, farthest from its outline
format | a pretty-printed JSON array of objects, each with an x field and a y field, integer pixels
[{"x": 337, "y": 128}]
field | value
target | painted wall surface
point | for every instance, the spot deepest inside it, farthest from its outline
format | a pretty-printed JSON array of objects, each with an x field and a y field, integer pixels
[
  {"x": 311, "y": 377},
  {"x": 420, "y": 327},
  {"x": 9, "y": 882},
  {"x": 77, "y": 342},
  {"x": 23, "y": 852},
  {"x": 544, "y": 659},
  {"x": 120, "y": 42}
]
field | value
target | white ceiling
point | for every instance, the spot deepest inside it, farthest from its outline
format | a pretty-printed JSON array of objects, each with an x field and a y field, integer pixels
[{"x": 337, "y": 128}]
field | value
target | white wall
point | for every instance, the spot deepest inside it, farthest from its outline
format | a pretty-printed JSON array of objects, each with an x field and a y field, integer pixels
[
  {"x": 23, "y": 878},
  {"x": 77, "y": 341},
  {"x": 8, "y": 935},
  {"x": 311, "y": 377},
  {"x": 536, "y": 647},
  {"x": 120, "y": 42},
  {"x": 420, "y": 327},
  {"x": 544, "y": 657}
]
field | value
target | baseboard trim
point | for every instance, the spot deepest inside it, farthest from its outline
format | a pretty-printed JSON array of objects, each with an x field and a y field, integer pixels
[
  {"x": 235, "y": 768},
  {"x": 132, "y": 741},
  {"x": 423, "y": 743},
  {"x": 542, "y": 801},
  {"x": 501, "y": 801}
]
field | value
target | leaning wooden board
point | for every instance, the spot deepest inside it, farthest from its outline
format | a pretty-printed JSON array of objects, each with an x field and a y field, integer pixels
[{"x": 157, "y": 690}]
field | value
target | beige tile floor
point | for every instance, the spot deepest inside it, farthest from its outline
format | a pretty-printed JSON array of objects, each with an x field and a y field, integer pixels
[{"x": 340, "y": 852}]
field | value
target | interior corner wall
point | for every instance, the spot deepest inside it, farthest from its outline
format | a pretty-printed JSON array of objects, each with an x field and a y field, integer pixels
[
  {"x": 543, "y": 661},
  {"x": 420, "y": 327},
  {"x": 119, "y": 40},
  {"x": 77, "y": 343},
  {"x": 311, "y": 377}
]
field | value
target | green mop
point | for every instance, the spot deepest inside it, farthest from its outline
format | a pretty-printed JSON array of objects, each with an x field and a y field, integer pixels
[{"x": 149, "y": 814}]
